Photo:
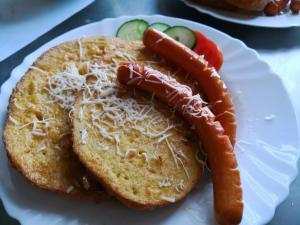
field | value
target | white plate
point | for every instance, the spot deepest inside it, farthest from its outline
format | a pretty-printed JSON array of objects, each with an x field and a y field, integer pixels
[
  {"x": 267, "y": 163},
  {"x": 286, "y": 19}
]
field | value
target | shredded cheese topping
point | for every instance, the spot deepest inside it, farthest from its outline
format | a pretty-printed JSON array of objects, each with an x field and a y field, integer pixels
[
  {"x": 39, "y": 70},
  {"x": 165, "y": 183},
  {"x": 113, "y": 110},
  {"x": 39, "y": 127},
  {"x": 64, "y": 86},
  {"x": 180, "y": 186},
  {"x": 84, "y": 136},
  {"x": 112, "y": 113},
  {"x": 167, "y": 198},
  {"x": 14, "y": 120},
  {"x": 70, "y": 189}
]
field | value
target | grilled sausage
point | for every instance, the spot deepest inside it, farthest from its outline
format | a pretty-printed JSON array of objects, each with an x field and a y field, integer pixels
[
  {"x": 295, "y": 6},
  {"x": 221, "y": 157},
  {"x": 206, "y": 77},
  {"x": 274, "y": 7}
]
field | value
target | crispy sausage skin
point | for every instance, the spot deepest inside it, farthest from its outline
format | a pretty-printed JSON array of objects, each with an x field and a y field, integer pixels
[
  {"x": 274, "y": 7},
  {"x": 225, "y": 175},
  {"x": 206, "y": 77},
  {"x": 295, "y": 6}
]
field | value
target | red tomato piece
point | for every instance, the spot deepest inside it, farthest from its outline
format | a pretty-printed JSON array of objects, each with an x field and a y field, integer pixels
[{"x": 210, "y": 50}]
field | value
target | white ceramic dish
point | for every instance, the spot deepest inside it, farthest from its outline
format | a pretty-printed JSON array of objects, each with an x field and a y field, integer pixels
[
  {"x": 267, "y": 151},
  {"x": 285, "y": 20}
]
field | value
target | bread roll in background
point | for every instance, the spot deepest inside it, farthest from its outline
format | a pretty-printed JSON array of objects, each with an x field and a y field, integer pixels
[
  {"x": 254, "y": 5},
  {"x": 219, "y": 4}
]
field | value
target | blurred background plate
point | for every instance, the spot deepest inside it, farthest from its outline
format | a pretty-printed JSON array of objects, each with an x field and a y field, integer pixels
[{"x": 284, "y": 20}]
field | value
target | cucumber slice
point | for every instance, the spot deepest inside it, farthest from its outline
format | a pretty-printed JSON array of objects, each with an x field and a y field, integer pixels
[
  {"x": 160, "y": 26},
  {"x": 182, "y": 34},
  {"x": 132, "y": 30}
]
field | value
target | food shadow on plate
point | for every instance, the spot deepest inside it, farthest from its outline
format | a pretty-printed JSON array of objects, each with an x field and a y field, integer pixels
[{"x": 61, "y": 210}]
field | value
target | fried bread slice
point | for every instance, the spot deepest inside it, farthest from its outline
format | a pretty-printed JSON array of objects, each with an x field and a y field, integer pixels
[
  {"x": 37, "y": 130},
  {"x": 139, "y": 150}
]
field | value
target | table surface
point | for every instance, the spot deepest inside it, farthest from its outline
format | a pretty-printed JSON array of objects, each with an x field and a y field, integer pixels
[{"x": 278, "y": 47}]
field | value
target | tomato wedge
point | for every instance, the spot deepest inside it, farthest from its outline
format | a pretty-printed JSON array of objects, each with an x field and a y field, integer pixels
[{"x": 210, "y": 50}]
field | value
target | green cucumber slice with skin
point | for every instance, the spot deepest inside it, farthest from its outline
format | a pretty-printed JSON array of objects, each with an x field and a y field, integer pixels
[
  {"x": 132, "y": 30},
  {"x": 160, "y": 26},
  {"x": 182, "y": 34}
]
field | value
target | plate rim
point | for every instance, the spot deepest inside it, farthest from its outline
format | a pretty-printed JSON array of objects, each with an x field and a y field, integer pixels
[{"x": 9, "y": 207}]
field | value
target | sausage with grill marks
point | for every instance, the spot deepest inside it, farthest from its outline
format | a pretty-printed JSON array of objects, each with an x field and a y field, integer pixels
[{"x": 206, "y": 77}]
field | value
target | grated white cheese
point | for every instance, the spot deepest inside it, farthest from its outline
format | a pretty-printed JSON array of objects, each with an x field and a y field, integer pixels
[
  {"x": 180, "y": 186},
  {"x": 84, "y": 136},
  {"x": 147, "y": 158},
  {"x": 18, "y": 105},
  {"x": 41, "y": 148},
  {"x": 117, "y": 142},
  {"x": 164, "y": 136},
  {"x": 63, "y": 86},
  {"x": 112, "y": 113},
  {"x": 172, "y": 152},
  {"x": 38, "y": 133},
  {"x": 86, "y": 183},
  {"x": 36, "y": 122},
  {"x": 80, "y": 114},
  {"x": 80, "y": 49},
  {"x": 169, "y": 199},
  {"x": 14, "y": 120},
  {"x": 184, "y": 168},
  {"x": 39, "y": 127},
  {"x": 105, "y": 148},
  {"x": 70, "y": 189},
  {"x": 165, "y": 183},
  {"x": 39, "y": 70},
  {"x": 159, "y": 40}
]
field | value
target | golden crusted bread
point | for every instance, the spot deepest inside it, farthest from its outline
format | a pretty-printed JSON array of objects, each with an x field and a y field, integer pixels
[
  {"x": 219, "y": 4},
  {"x": 37, "y": 131},
  {"x": 136, "y": 147},
  {"x": 254, "y": 5}
]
